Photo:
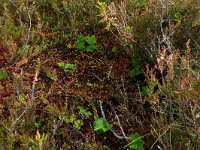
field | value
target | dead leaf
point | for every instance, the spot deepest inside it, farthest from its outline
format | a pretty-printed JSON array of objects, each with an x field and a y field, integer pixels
[
  {"x": 29, "y": 75},
  {"x": 23, "y": 61}
]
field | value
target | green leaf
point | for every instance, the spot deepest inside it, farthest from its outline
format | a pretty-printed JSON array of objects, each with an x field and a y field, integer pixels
[
  {"x": 21, "y": 50},
  {"x": 50, "y": 75},
  {"x": 80, "y": 42},
  {"x": 134, "y": 72},
  {"x": 84, "y": 112},
  {"x": 78, "y": 124},
  {"x": 101, "y": 125},
  {"x": 61, "y": 64},
  {"x": 144, "y": 90},
  {"x": 3, "y": 74},
  {"x": 80, "y": 45},
  {"x": 141, "y": 3},
  {"x": 66, "y": 67},
  {"x": 1, "y": 89},
  {"x": 108, "y": 26},
  {"x": 114, "y": 49},
  {"x": 89, "y": 84},
  {"x": 91, "y": 39},
  {"x": 34, "y": 144},
  {"x": 80, "y": 39},
  {"x": 69, "y": 66},
  {"x": 136, "y": 142},
  {"x": 67, "y": 120},
  {"x": 72, "y": 118},
  {"x": 91, "y": 48}
]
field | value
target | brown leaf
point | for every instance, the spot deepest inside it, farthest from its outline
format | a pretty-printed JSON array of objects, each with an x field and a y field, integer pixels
[
  {"x": 29, "y": 75},
  {"x": 23, "y": 61}
]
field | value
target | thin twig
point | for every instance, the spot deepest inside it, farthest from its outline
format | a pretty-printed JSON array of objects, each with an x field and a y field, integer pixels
[
  {"x": 98, "y": 60},
  {"x": 33, "y": 85},
  {"x": 97, "y": 77},
  {"x": 120, "y": 126},
  {"x": 29, "y": 29},
  {"x": 114, "y": 133},
  {"x": 159, "y": 136},
  {"x": 193, "y": 39},
  {"x": 18, "y": 118},
  {"x": 139, "y": 93},
  {"x": 110, "y": 70}
]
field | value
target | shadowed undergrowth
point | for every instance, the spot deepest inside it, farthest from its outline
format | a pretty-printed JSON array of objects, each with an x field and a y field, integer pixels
[{"x": 99, "y": 75}]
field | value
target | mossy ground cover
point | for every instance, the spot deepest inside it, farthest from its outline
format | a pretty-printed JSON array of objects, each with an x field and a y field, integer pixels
[{"x": 99, "y": 75}]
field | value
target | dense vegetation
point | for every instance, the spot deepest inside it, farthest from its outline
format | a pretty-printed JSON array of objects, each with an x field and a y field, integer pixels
[{"x": 88, "y": 74}]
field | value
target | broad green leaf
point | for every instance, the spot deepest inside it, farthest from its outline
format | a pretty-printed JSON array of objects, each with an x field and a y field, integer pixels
[
  {"x": 80, "y": 45},
  {"x": 101, "y": 125},
  {"x": 91, "y": 48},
  {"x": 84, "y": 112},
  {"x": 80, "y": 39},
  {"x": 90, "y": 39},
  {"x": 136, "y": 142}
]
